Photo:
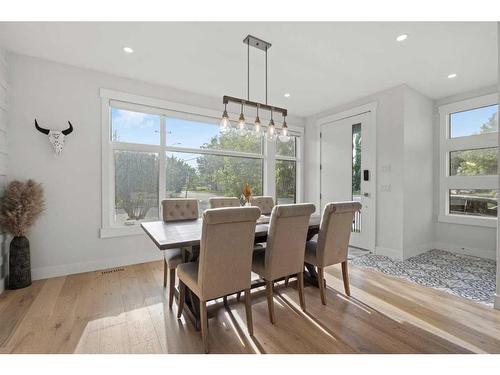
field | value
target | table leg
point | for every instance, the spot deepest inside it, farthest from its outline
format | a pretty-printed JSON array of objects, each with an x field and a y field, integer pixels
[{"x": 310, "y": 275}]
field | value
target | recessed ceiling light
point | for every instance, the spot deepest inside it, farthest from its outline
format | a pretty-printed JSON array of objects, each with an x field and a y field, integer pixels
[
  {"x": 287, "y": 95},
  {"x": 128, "y": 50},
  {"x": 452, "y": 75},
  {"x": 402, "y": 37}
]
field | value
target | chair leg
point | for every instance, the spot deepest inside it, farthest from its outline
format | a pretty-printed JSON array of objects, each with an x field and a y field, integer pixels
[
  {"x": 345, "y": 276},
  {"x": 321, "y": 282},
  {"x": 204, "y": 325},
  {"x": 182, "y": 296},
  {"x": 224, "y": 299},
  {"x": 270, "y": 302},
  {"x": 238, "y": 295},
  {"x": 286, "y": 280},
  {"x": 165, "y": 270},
  {"x": 171, "y": 288},
  {"x": 248, "y": 310},
  {"x": 300, "y": 277}
]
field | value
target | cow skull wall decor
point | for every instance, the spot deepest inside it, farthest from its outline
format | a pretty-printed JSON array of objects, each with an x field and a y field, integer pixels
[{"x": 56, "y": 137}]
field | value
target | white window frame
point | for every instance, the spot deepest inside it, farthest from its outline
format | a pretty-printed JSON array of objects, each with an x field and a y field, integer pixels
[
  {"x": 115, "y": 99},
  {"x": 447, "y": 144}
]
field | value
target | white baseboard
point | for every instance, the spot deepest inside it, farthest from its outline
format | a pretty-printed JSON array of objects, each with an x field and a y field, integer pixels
[
  {"x": 497, "y": 302},
  {"x": 391, "y": 253},
  {"x": 482, "y": 253},
  {"x": 69, "y": 269}
]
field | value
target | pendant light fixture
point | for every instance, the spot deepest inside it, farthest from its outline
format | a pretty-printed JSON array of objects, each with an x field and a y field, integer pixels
[
  {"x": 241, "y": 122},
  {"x": 272, "y": 131},
  {"x": 224, "y": 122},
  {"x": 284, "y": 137},
  {"x": 257, "y": 124}
]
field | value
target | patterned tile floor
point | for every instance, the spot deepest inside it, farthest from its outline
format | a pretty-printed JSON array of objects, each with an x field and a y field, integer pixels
[{"x": 462, "y": 275}]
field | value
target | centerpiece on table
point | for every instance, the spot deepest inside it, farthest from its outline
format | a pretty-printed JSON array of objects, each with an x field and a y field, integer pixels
[
  {"x": 247, "y": 193},
  {"x": 21, "y": 205}
]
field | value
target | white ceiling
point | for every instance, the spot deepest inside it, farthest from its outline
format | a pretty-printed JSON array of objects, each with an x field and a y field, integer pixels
[{"x": 320, "y": 64}]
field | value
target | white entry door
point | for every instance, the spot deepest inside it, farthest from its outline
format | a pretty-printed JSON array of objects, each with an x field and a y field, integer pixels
[{"x": 347, "y": 172}]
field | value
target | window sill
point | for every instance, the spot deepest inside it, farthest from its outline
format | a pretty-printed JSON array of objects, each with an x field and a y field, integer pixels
[
  {"x": 121, "y": 231},
  {"x": 469, "y": 220}
]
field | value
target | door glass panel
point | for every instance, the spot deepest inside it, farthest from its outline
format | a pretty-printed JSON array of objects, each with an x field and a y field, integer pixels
[{"x": 356, "y": 173}]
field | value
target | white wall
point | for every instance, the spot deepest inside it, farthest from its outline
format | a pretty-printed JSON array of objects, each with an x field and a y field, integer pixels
[
  {"x": 3, "y": 161},
  {"x": 464, "y": 239},
  {"x": 390, "y": 119},
  {"x": 66, "y": 238},
  {"x": 404, "y": 162},
  {"x": 418, "y": 231}
]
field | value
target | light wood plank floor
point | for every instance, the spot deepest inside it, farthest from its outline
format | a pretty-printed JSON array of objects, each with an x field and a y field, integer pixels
[{"x": 127, "y": 312}]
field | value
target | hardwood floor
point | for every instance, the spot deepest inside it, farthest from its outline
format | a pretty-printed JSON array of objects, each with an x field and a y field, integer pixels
[{"x": 127, "y": 312}]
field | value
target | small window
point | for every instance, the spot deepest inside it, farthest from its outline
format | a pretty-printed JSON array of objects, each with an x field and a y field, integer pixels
[
  {"x": 136, "y": 186},
  {"x": 192, "y": 134},
  {"x": 286, "y": 175},
  {"x": 134, "y": 127},
  {"x": 474, "y": 121},
  {"x": 286, "y": 148},
  {"x": 473, "y": 202},
  {"x": 478, "y": 162}
]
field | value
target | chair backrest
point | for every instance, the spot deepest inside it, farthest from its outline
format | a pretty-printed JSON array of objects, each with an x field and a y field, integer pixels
[
  {"x": 265, "y": 203},
  {"x": 286, "y": 239},
  {"x": 227, "y": 241},
  {"x": 175, "y": 209},
  {"x": 335, "y": 232},
  {"x": 219, "y": 202}
]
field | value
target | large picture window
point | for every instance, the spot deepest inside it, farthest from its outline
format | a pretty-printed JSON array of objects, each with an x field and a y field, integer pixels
[
  {"x": 469, "y": 165},
  {"x": 151, "y": 153}
]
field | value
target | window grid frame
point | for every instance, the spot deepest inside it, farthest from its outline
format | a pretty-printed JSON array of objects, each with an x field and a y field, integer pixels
[
  {"x": 447, "y": 145},
  {"x": 113, "y": 99}
]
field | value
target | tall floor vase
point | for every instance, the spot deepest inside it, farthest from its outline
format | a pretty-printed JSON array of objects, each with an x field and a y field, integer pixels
[{"x": 19, "y": 263}]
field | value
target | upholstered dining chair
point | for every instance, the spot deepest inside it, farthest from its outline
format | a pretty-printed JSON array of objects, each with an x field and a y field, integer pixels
[
  {"x": 224, "y": 265},
  {"x": 284, "y": 252},
  {"x": 175, "y": 209},
  {"x": 219, "y": 202},
  {"x": 265, "y": 204},
  {"x": 333, "y": 242}
]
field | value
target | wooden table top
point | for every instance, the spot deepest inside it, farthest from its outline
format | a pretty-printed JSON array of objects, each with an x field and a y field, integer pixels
[{"x": 187, "y": 233}]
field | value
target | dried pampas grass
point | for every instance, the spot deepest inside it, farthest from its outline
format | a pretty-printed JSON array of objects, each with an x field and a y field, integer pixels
[{"x": 21, "y": 205}]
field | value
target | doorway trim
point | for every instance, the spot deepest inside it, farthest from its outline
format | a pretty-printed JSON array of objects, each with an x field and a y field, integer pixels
[{"x": 371, "y": 110}]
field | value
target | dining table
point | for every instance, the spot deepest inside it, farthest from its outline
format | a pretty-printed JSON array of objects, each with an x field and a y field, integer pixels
[{"x": 186, "y": 235}]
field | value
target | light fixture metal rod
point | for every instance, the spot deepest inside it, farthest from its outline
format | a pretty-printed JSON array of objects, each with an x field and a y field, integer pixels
[
  {"x": 248, "y": 70},
  {"x": 266, "y": 75},
  {"x": 227, "y": 99}
]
